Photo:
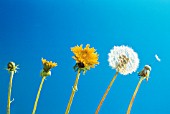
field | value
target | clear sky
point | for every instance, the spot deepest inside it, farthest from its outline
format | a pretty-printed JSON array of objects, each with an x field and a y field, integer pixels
[{"x": 32, "y": 29}]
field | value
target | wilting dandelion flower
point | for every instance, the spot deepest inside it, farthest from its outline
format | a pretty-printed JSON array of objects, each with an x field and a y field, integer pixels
[
  {"x": 47, "y": 66},
  {"x": 144, "y": 74},
  {"x": 85, "y": 59},
  {"x": 12, "y": 68},
  {"x": 125, "y": 61}
]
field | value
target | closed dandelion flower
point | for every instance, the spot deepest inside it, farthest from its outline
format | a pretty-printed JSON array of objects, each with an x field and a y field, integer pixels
[
  {"x": 85, "y": 59},
  {"x": 11, "y": 68},
  {"x": 47, "y": 66},
  {"x": 125, "y": 61}
]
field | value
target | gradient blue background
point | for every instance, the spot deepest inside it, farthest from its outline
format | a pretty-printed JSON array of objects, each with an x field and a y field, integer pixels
[{"x": 32, "y": 29}]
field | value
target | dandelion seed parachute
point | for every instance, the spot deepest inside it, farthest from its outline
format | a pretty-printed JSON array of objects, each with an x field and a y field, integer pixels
[{"x": 157, "y": 58}]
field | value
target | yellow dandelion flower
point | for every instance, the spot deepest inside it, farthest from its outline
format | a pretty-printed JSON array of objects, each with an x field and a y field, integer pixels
[
  {"x": 47, "y": 66},
  {"x": 12, "y": 68},
  {"x": 85, "y": 59}
]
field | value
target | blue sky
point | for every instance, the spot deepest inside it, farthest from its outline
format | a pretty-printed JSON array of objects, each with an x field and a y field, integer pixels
[{"x": 30, "y": 30}]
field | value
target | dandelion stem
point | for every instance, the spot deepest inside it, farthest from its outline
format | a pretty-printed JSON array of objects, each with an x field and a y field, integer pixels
[
  {"x": 106, "y": 92},
  {"x": 134, "y": 95},
  {"x": 74, "y": 89},
  {"x": 9, "y": 92},
  {"x": 38, "y": 95}
]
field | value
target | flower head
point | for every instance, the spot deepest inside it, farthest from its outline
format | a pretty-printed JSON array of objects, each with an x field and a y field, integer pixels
[
  {"x": 48, "y": 65},
  {"x": 85, "y": 58},
  {"x": 12, "y": 67},
  {"x": 123, "y": 59},
  {"x": 145, "y": 72}
]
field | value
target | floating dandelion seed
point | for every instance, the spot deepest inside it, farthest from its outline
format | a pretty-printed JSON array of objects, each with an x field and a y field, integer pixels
[
  {"x": 47, "y": 66},
  {"x": 157, "y": 58},
  {"x": 85, "y": 59},
  {"x": 12, "y": 68},
  {"x": 125, "y": 61},
  {"x": 144, "y": 74}
]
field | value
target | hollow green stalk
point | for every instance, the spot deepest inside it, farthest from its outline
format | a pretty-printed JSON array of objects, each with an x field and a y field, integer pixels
[
  {"x": 106, "y": 92},
  {"x": 74, "y": 89},
  {"x": 134, "y": 95},
  {"x": 38, "y": 95},
  {"x": 9, "y": 92}
]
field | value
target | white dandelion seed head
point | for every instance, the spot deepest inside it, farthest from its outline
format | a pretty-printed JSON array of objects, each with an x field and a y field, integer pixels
[{"x": 123, "y": 59}]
